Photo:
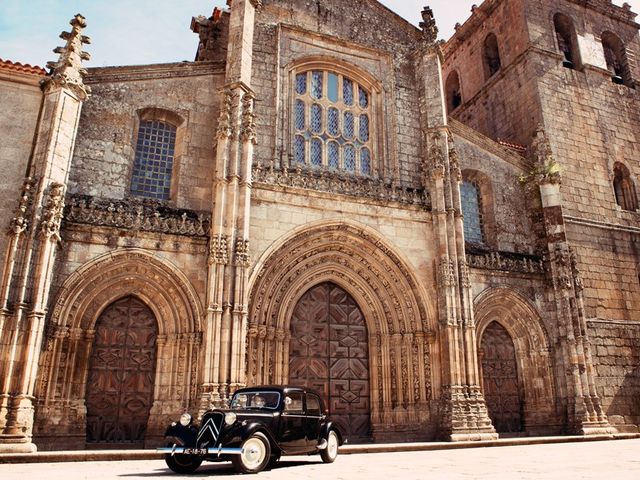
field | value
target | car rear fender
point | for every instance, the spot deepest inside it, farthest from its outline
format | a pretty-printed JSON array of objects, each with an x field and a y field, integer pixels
[{"x": 327, "y": 427}]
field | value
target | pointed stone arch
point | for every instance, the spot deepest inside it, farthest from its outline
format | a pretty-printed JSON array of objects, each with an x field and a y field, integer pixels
[
  {"x": 85, "y": 294},
  {"x": 398, "y": 315},
  {"x": 524, "y": 325}
]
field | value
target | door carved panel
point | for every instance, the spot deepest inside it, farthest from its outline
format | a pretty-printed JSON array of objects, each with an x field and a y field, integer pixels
[
  {"x": 121, "y": 374},
  {"x": 329, "y": 352},
  {"x": 500, "y": 379}
]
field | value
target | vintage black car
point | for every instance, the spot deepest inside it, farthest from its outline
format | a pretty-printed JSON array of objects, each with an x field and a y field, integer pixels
[{"x": 262, "y": 424}]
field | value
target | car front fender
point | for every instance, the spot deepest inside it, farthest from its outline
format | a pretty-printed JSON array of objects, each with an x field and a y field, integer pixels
[
  {"x": 180, "y": 435},
  {"x": 250, "y": 428}
]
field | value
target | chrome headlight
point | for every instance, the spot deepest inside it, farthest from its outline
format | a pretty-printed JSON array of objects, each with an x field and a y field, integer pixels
[
  {"x": 185, "y": 419},
  {"x": 230, "y": 418}
]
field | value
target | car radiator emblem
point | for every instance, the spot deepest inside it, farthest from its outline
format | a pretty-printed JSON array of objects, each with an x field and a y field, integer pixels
[{"x": 211, "y": 429}]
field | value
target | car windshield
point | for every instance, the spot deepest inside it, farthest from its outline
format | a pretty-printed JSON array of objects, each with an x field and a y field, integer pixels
[{"x": 257, "y": 399}]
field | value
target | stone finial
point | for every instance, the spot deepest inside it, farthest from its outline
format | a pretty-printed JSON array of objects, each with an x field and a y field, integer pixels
[
  {"x": 67, "y": 72},
  {"x": 428, "y": 25}
]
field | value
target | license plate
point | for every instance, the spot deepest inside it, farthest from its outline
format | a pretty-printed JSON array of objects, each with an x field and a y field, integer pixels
[{"x": 195, "y": 451}]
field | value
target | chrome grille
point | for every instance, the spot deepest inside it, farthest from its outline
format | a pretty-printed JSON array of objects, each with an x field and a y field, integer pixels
[{"x": 210, "y": 431}]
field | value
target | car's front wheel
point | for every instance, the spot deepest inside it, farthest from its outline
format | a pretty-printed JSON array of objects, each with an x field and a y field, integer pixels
[
  {"x": 182, "y": 463},
  {"x": 256, "y": 452},
  {"x": 330, "y": 453}
]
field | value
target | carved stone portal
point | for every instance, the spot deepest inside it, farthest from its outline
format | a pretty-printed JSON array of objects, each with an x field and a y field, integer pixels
[
  {"x": 329, "y": 352},
  {"x": 500, "y": 379},
  {"x": 399, "y": 320},
  {"x": 121, "y": 374}
]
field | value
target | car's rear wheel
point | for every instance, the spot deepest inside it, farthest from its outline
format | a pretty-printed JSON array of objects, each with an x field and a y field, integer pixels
[
  {"x": 255, "y": 455},
  {"x": 182, "y": 463},
  {"x": 330, "y": 453}
]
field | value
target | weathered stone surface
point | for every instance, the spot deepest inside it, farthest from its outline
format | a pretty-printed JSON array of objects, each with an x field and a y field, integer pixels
[{"x": 247, "y": 228}]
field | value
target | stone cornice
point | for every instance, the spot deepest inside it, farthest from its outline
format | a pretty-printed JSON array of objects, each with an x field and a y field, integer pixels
[
  {"x": 136, "y": 215},
  {"x": 153, "y": 71},
  {"x": 506, "y": 262},
  {"x": 336, "y": 183}
]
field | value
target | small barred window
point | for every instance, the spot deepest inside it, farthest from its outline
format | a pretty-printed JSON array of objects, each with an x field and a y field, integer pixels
[
  {"x": 472, "y": 212},
  {"x": 332, "y": 123},
  {"x": 153, "y": 165}
]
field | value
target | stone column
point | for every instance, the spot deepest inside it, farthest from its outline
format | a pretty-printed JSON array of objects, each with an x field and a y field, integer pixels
[
  {"x": 226, "y": 325},
  {"x": 583, "y": 409},
  {"x": 463, "y": 411},
  {"x": 30, "y": 260}
]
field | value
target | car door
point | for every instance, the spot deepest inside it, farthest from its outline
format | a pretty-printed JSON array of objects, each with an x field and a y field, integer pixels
[
  {"x": 292, "y": 432},
  {"x": 313, "y": 420}
]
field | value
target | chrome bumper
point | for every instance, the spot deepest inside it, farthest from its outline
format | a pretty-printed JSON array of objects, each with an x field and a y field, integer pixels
[{"x": 200, "y": 451}]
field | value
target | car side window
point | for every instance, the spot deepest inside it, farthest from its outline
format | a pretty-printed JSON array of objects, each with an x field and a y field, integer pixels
[
  {"x": 293, "y": 403},
  {"x": 313, "y": 405}
]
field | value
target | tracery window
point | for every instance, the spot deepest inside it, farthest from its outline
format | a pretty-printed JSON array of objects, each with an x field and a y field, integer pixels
[
  {"x": 624, "y": 188},
  {"x": 472, "y": 212},
  {"x": 615, "y": 55},
  {"x": 332, "y": 123},
  {"x": 153, "y": 164}
]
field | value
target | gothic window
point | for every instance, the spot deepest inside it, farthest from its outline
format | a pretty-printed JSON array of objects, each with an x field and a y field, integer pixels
[
  {"x": 567, "y": 41},
  {"x": 624, "y": 188},
  {"x": 472, "y": 212},
  {"x": 153, "y": 164},
  {"x": 332, "y": 122},
  {"x": 491, "y": 56},
  {"x": 452, "y": 88},
  {"x": 615, "y": 55}
]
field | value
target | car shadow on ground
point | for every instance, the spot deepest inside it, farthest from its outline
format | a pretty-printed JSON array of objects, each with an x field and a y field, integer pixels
[{"x": 208, "y": 469}]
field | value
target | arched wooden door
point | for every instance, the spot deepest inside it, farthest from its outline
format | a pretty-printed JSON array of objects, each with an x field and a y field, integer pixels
[
  {"x": 329, "y": 352},
  {"x": 121, "y": 374},
  {"x": 502, "y": 390}
]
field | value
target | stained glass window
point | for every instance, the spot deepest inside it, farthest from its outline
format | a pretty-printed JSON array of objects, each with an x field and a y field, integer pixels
[
  {"x": 347, "y": 91},
  {"x": 333, "y": 87},
  {"x": 348, "y": 125},
  {"x": 365, "y": 161},
  {"x": 300, "y": 149},
  {"x": 364, "y": 128},
  {"x": 316, "y": 85},
  {"x": 153, "y": 164},
  {"x": 334, "y": 155},
  {"x": 472, "y": 212},
  {"x": 316, "y": 118},
  {"x": 333, "y": 123},
  {"x": 300, "y": 115},
  {"x": 316, "y": 152},
  {"x": 301, "y": 83}
]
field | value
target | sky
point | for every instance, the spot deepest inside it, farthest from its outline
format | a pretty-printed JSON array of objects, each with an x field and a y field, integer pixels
[{"x": 133, "y": 32}]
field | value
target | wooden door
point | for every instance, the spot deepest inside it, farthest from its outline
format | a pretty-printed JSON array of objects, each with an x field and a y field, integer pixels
[
  {"x": 500, "y": 379},
  {"x": 329, "y": 352},
  {"x": 121, "y": 374}
]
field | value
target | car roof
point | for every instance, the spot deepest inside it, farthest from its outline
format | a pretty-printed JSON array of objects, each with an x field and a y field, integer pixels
[{"x": 277, "y": 388}]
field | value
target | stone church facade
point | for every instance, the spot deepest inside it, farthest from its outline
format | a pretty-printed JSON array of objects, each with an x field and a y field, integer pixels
[{"x": 442, "y": 238}]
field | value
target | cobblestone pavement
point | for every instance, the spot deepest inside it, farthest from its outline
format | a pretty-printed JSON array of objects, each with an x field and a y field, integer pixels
[{"x": 619, "y": 460}]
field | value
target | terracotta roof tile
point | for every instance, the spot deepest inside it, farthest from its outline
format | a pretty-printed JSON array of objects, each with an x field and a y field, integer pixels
[
  {"x": 513, "y": 146},
  {"x": 8, "y": 65}
]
